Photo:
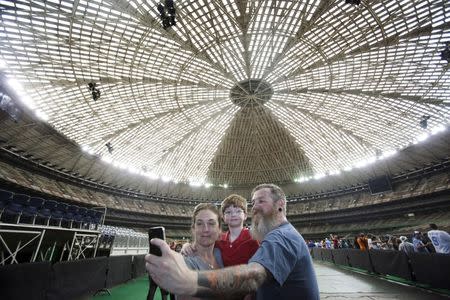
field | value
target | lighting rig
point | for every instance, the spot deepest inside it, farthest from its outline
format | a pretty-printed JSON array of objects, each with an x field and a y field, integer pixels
[
  {"x": 424, "y": 122},
  {"x": 445, "y": 54},
  {"x": 167, "y": 13},
  {"x": 353, "y": 2},
  {"x": 8, "y": 106},
  {"x": 94, "y": 90},
  {"x": 109, "y": 147}
]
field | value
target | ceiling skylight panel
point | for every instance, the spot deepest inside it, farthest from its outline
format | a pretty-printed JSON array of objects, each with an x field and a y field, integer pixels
[
  {"x": 195, "y": 151},
  {"x": 312, "y": 140}
]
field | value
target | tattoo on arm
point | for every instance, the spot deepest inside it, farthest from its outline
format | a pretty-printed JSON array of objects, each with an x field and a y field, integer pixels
[{"x": 240, "y": 279}]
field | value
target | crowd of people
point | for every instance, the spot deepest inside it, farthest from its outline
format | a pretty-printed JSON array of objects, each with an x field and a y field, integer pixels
[{"x": 434, "y": 241}]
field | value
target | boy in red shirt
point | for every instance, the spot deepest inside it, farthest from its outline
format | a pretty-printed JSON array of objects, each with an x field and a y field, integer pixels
[{"x": 236, "y": 245}]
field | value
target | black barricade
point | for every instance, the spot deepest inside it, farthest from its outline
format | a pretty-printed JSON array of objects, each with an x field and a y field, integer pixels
[
  {"x": 138, "y": 268},
  {"x": 74, "y": 279},
  {"x": 317, "y": 254},
  {"x": 390, "y": 262},
  {"x": 25, "y": 281},
  {"x": 327, "y": 255},
  {"x": 359, "y": 259},
  {"x": 432, "y": 269},
  {"x": 340, "y": 256},
  {"x": 119, "y": 270}
]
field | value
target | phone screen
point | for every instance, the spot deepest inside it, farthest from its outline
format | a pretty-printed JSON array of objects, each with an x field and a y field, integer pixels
[{"x": 156, "y": 232}]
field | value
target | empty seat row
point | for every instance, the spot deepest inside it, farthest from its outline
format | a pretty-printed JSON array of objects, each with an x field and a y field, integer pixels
[{"x": 20, "y": 208}]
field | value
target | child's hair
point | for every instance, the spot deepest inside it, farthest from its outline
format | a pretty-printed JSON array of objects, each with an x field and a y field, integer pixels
[{"x": 235, "y": 200}]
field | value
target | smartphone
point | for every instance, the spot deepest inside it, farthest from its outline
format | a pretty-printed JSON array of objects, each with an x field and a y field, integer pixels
[{"x": 156, "y": 232}]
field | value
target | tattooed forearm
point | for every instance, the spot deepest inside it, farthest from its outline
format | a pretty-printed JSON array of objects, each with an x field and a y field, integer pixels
[{"x": 236, "y": 280}]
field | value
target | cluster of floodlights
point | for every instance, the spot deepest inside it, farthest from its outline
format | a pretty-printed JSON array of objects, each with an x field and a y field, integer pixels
[
  {"x": 8, "y": 106},
  {"x": 167, "y": 13},
  {"x": 353, "y": 2},
  {"x": 109, "y": 147},
  {"x": 94, "y": 90},
  {"x": 424, "y": 121},
  {"x": 445, "y": 54}
]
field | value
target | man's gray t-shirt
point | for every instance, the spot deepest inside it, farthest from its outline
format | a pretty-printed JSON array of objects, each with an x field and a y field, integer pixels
[{"x": 284, "y": 253}]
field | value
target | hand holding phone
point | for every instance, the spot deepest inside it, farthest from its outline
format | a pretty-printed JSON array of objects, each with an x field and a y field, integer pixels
[{"x": 156, "y": 232}]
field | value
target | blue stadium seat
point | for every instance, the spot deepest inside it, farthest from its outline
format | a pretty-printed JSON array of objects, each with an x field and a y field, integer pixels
[
  {"x": 78, "y": 219},
  {"x": 30, "y": 211},
  {"x": 13, "y": 209},
  {"x": 46, "y": 211},
  {"x": 69, "y": 217},
  {"x": 5, "y": 198},
  {"x": 86, "y": 221},
  {"x": 58, "y": 213},
  {"x": 22, "y": 199},
  {"x": 97, "y": 219}
]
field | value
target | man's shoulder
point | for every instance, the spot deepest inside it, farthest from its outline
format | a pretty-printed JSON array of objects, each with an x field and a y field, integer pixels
[{"x": 284, "y": 232}]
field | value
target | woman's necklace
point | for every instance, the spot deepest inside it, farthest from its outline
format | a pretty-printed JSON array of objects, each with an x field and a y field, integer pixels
[{"x": 210, "y": 265}]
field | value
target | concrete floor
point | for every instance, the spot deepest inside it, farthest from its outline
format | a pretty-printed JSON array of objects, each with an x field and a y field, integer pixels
[{"x": 337, "y": 283}]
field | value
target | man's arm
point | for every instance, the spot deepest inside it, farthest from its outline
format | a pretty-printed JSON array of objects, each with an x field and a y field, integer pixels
[
  {"x": 171, "y": 273},
  {"x": 240, "y": 279}
]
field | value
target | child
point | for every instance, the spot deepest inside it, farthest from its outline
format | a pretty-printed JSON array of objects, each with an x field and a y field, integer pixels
[{"x": 236, "y": 245}]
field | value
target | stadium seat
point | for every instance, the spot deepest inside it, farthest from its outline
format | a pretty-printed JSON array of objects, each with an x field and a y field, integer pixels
[
  {"x": 30, "y": 211},
  {"x": 90, "y": 218},
  {"x": 46, "y": 211},
  {"x": 68, "y": 218},
  {"x": 78, "y": 219},
  {"x": 5, "y": 198},
  {"x": 97, "y": 219},
  {"x": 14, "y": 207},
  {"x": 58, "y": 213},
  {"x": 12, "y": 212}
]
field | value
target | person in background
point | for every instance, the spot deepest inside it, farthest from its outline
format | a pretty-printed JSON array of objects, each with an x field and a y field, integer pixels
[
  {"x": 419, "y": 246},
  {"x": 362, "y": 242},
  {"x": 440, "y": 239},
  {"x": 396, "y": 243},
  {"x": 406, "y": 246},
  {"x": 427, "y": 242},
  {"x": 335, "y": 241},
  {"x": 280, "y": 269},
  {"x": 172, "y": 245},
  {"x": 355, "y": 242}
]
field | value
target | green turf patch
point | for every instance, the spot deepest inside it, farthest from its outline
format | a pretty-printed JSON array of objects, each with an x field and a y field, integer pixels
[{"x": 135, "y": 289}]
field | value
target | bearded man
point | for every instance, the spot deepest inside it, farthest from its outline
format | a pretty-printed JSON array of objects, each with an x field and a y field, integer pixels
[{"x": 280, "y": 269}]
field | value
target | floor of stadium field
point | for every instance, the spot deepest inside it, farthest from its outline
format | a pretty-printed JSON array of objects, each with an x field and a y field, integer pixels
[{"x": 334, "y": 283}]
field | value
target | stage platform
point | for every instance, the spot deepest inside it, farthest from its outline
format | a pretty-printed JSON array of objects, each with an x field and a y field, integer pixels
[{"x": 339, "y": 283}]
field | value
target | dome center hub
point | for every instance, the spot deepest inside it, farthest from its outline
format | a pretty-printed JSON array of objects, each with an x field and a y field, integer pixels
[{"x": 250, "y": 93}]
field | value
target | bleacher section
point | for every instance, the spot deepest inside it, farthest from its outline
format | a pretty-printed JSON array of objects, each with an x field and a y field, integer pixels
[
  {"x": 422, "y": 188},
  {"x": 35, "y": 229},
  {"x": 124, "y": 241}
]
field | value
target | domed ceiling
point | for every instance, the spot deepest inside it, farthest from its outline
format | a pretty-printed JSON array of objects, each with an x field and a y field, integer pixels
[{"x": 236, "y": 92}]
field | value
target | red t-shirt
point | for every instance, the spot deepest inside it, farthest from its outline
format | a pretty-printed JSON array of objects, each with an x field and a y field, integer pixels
[{"x": 239, "y": 251}]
